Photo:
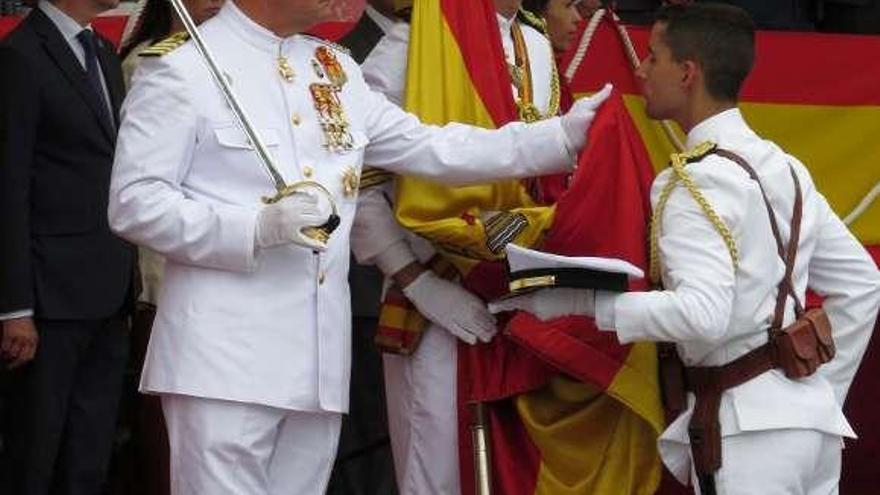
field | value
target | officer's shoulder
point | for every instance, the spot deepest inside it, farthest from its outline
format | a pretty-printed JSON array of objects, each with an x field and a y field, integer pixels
[
  {"x": 712, "y": 168},
  {"x": 166, "y": 45}
]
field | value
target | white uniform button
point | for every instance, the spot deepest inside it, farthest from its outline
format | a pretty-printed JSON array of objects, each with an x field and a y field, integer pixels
[
  {"x": 308, "y": 172},
  {"x": 295, "y": 119},
  {"x": 321, "y": 278}
]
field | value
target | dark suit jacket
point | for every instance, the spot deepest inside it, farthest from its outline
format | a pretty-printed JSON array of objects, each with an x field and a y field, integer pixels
[{"x": 57, "y": 254}]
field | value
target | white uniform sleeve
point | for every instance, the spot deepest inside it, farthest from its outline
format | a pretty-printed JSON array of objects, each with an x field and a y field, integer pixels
[
  {"x": 376, "y": 237},
  {"x": 698, "y": 271},
  {"x": 456, "y": 154},
  {"x": 842, "y": 272},
  {"x": 154, "y": 149}
]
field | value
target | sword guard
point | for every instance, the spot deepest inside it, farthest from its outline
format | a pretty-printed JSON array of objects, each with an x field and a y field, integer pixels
[{"x": 320, "y": 233}]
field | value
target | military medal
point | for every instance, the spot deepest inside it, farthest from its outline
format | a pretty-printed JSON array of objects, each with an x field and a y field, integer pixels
[
  {"x": 332, "y": 67},
  {"x": 350, "y": 182},
  {"x": 331, "y": 115}
]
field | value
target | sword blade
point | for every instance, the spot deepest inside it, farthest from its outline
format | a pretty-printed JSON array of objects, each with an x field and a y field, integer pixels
[{"x": 223, "y": 85}]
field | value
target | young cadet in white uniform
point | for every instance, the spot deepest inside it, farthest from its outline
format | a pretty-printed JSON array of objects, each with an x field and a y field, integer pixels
[
  {"x": 421, "y": 388},
  {"x": 779, "y": 435},
  {"x": 251, "y": 344}
]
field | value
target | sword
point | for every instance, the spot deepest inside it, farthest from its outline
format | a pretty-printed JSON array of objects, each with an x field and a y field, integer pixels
[
  {"x": 282, "y": 189},
  {"x": 481, "y": 449}
]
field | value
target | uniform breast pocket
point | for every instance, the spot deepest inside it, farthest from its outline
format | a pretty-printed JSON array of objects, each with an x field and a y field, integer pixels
[
  {"x": 229, "y": 156},
  {"x": 234, "y": 138}
]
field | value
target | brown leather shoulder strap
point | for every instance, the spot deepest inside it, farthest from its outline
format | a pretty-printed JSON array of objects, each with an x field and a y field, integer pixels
[{"x": 789, "y": 254}]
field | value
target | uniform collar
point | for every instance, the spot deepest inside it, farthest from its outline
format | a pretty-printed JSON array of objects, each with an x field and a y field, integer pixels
[
  {"x": 717, "y": 127},
  {"x": 249, "y": 30},
  {"x": 385, "y": 23},
  {"x": 504, "y": 23}
]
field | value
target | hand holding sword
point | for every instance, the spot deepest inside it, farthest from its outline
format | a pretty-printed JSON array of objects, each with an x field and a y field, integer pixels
[{"x": 294, "y": 213}]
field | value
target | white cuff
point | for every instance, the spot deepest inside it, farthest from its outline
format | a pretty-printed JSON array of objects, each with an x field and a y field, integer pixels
[
  {"x": 22, "y": 313},
  {"x": 605, "y": 310},
  {"x": 570, "y": 148},
  {"x": 394, "y": 258}
]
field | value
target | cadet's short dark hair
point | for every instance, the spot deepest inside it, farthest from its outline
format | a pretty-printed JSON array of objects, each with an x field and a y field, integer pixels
[{"x": 721, "y": 38}]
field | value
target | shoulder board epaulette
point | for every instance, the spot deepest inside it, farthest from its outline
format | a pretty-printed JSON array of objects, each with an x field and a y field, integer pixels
[
  {"x": 166, "y": 45},
  {"x": 371, "y": 177},
  {"x": 335, "y": 46},
  {"x": 533, "y": 20},
  {"x": 695, "y": 154}
]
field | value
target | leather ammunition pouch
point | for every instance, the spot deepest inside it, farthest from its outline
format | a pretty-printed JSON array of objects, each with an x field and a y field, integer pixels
[{"x": 804, "y": 345}]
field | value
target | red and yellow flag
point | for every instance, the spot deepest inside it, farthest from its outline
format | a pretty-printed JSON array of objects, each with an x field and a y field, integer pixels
[
  {"x": 592, "y": 429},
  {"x": 813, "y": 94}
]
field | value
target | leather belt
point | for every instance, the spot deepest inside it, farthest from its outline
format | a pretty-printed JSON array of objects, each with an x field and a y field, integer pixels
[{"x": 708, "y": 383}]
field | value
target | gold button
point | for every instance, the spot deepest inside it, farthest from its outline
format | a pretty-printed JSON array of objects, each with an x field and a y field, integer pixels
[
  {"x": 307, "y": 172},
  {"x": 321, "y": 278},
  {"x": 295, "y": 119}
]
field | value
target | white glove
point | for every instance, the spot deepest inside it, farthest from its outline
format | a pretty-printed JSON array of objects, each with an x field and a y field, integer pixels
[
  {"x": 283, "y": 222},
  {"x": 577, "y": 121},
  {"x": 452, "y": 307},
  {"x": 548, "y": 304}
]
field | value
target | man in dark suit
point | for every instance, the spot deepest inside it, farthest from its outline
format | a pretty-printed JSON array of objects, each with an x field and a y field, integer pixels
[
  {"x": 364, "y": 465},
  {"x": 65, "y": 280},
  {"x": 851, "y": 16}
]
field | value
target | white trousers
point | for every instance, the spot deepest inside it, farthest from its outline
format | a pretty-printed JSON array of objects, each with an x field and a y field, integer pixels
[
  {"x": 422, "y": 415},
  {"x": 779, "y": 462},
  {"x": 228, "y": 448}
]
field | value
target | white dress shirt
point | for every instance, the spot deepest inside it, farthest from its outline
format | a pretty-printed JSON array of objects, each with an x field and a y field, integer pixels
[
  {"x": 716, "y": 313},
  {"x": 385, "y": 23},
  {"x": 69, "y": 30}
]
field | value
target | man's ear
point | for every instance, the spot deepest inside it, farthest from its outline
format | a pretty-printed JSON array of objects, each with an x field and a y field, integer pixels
[{"x": 690, "y": 74}]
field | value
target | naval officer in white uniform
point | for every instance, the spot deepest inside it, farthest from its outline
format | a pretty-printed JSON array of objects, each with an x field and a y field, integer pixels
[
  {"x": 421, "y": 387},
  {"x": 779, "y": 435},
  {"x": 251, "y": 348}
]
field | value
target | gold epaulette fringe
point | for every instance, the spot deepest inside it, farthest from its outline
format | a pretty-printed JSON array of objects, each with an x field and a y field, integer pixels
[
  {"x": 166, "y": 45},
  {"x": 678, "y": 162}
]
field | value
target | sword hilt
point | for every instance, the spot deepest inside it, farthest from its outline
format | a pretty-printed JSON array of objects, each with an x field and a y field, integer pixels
[{"x": 320, "y": 233}]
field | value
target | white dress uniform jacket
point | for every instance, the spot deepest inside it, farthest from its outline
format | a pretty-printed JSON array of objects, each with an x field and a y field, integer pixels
[
  {"x": 421, "y": 388},
  {"x": 271, "y": 326},
  {"x": 716, "y": 314}
]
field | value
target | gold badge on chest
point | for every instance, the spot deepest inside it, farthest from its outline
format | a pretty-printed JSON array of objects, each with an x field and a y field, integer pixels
[{"x": 351, "y": 182}]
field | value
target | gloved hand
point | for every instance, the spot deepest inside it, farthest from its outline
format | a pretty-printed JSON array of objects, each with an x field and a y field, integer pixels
[
  {"x": 577, "y": 121},
  {"x": 548, "y": 304},
  {"x": 452, "y": 307},
  {"x": 283, "y": 222}
]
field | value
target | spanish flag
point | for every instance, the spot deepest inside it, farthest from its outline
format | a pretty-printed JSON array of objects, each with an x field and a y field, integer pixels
[
  {"x": 570, "y": 410},
  {"x": 816, "y": 95}
]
